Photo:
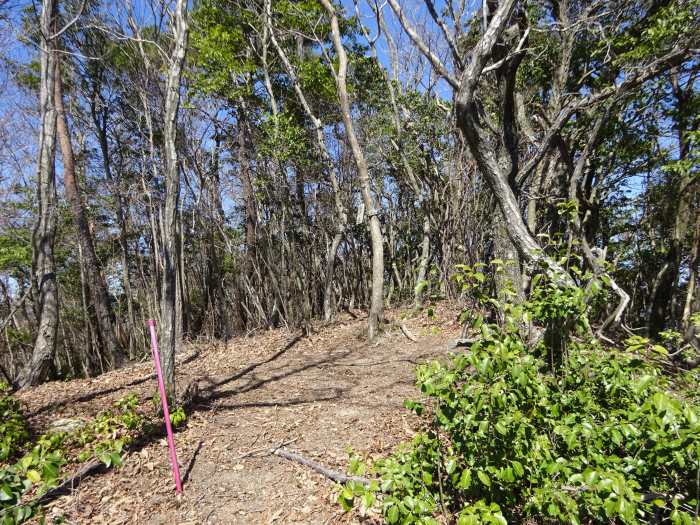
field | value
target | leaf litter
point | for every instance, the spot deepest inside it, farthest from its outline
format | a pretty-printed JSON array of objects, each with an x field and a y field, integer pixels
[{"x": 317, "y": 397}]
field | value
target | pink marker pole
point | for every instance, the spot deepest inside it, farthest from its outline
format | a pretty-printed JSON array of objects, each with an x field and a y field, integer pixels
[{"x": 164, "y": 401}]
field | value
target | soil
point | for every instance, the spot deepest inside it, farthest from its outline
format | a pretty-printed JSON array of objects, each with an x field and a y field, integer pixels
[{"x": 316, "y": 396}]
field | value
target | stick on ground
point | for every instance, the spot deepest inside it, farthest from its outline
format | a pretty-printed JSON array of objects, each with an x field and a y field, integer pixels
[
  {"x": 331, "y": 474},
  {"x": 408, "y": 334}
]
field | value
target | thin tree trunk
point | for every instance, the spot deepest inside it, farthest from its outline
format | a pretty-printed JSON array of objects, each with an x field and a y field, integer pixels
[
  {"x": 419, "y": 189},
  {"x": 97, "y": 287},
  {"x": 341, "y": 216},
  {"x": 664, "y": 289},
  {"x": 91, "y": 347},
  {"x": 101, "y": 127},
  {"x": 171, "y": 327},
  {"x": 330, "y": 270},
  {"x": 251, "y": 215},
  {"x": 45, "y": 231},
  {"x": 423, "y": 264},
  {"x": 376, "y": 311},
  {"x": 693, "y": 272}
]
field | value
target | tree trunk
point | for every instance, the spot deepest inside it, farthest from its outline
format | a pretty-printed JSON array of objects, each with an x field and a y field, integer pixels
[
  {"x": 330, "y": 270},
  {"x": 341, "y": 216},
  {"x": 101, "y": 130},
  {"x": 45, "y": 231},
  {"x": 97, "y": 287},
  {"x": 376, "y": 311},
  {"x": 509, "y": 283},
  {"x": 693, "y": 271},
  {"x": 423, "y": 265},
  {"x": 171, "y": 322}
]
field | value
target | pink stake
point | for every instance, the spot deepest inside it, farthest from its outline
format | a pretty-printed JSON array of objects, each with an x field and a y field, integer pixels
[{"x": 164, "y": 401}]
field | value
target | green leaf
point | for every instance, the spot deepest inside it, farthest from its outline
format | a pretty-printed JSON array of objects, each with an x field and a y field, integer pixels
[
  {"x": 518, "y": 468},
  {"x": 50, "y": 471},
  {"x": 507, "y": 475},
  {"x": 484, "y": 478},
  {"x": 6, "y": 493},
  {"x": 116, "y": 459},
  {"x": 34, "y": 476},
  {"x": 465, "y": 479},
  {"x": 346, "y": 498},
  {"x": 106, "y": 458}
]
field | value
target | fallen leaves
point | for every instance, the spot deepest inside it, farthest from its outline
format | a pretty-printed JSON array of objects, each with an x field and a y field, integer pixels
[{"x": 323, "y": 394}]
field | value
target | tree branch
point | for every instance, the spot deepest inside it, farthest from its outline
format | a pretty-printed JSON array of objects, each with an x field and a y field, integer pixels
[{"x": 421, "y": 45}]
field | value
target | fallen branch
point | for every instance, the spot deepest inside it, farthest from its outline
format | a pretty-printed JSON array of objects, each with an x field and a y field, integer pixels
[
  {"x": 69, "y": 484},
  {"x": 265, "y": 450},
  {"x": 408, "y": 334},
  {"x": 333, "y": 475}
]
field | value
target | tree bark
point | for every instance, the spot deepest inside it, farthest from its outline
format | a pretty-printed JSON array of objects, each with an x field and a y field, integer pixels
[
  {"x": 97, "y": 287},
  {"x": 420, "y": 188},
  {"x": 45, "y": 230},
  {"x": 499, "y": 179},
  {"x": 693, "y": 271},
  {"x": 509, "y": 277},
  {"x": 419, "y": 289},
  {"x": 376, "y": 311},
  {"x": 171, "y": 321}
]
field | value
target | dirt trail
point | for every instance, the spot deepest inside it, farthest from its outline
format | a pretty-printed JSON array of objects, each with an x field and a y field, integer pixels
[{"x": 320, "y": 394}]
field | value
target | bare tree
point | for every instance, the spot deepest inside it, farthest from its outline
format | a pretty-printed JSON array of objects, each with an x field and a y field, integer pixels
[{"x": 503, "y": 43}]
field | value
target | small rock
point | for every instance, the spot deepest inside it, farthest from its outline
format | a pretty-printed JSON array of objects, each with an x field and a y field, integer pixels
[{"x": 66, "y": 425}]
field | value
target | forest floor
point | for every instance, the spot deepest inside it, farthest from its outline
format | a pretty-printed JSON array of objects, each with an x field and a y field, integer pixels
[{"x": 317, "y": 395}]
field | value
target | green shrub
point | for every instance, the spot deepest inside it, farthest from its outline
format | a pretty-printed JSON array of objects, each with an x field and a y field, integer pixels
[
  {"x": 13, "y": 428},
  {"x": 506, "y": 440},
  {"x": 178, "y": 417},
  {"x": 40, "y": 469}
]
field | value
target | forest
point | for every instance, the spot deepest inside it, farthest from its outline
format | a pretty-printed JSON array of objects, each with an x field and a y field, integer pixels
[{"x": 517, "y": 176}]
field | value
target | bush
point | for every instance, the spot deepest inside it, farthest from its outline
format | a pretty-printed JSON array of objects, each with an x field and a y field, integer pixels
[
  {"x": 39, "y": 469},
  {"x": 506, "y": 440},
  {"x": 13, "y": 428}
]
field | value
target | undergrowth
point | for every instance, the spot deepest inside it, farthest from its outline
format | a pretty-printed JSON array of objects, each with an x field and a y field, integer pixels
[
  {"x": 24, "y": 479},
  {"x": 13, "y": 428},
  {"x": 507, "y": 439}
]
